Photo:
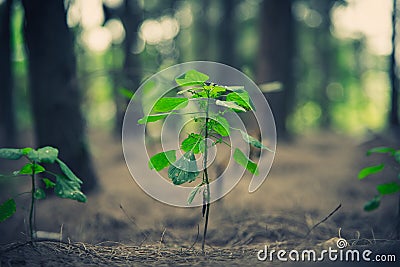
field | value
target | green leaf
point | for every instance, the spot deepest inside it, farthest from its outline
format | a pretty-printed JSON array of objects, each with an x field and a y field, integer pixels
[
  {"x": 67, "y": 188},
  {"x": 46, "y": 154},
  {"x": 48, "y": 183},
  {"x": 32, "y": 155},
  {"x": 254, "y": 142},
  {"x": 200, "y": 94},
  {"x": 68, "y": 173},
  {"x": 202, "y": 146},
  {"x": 7, "y": 209},
  {"x": 191, "y": 77},
  {"x": 39, "y": 194},
  {"x": 370, "y": 170},
  {"x": 242, "y": 98},
  {"x": 216, "y": 91},
  {"x": 235, "y": 87},
  {"x": 243, "y": 160},
  {"x": 397, "y": 156},
  {"x": 26, "y": 150},
  {"x": 11, "y": 153},
  {"x": 30, "y": 167},
  {"x": 167, "y": 104},
  {"x": 372, "y": 204},
  {"x": 184, "y": 169},
  {"x": 230, "y": 104},
  {"x": 152, "y": 118},
  {"x": 221, "y": 126},
  {"x": 162, "y": 160},
  {"x": 192, "y": 90},
  {"x": 381, "y": 150},
  {"x": 126, "y": 93},
  {"x": 192, "y": 143},
  {"x": 388, "y": 188},
  {"x": 193, "y": 193}
]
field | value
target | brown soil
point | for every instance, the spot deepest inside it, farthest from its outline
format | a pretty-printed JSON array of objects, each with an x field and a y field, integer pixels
[{"x": 310, "y": 177}]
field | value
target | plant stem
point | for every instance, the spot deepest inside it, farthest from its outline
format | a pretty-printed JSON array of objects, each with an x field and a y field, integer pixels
[
  {"x": 398, "y": 220},
  {"x": 32, "y": 209},
  {"x": 206, "y": 176},
  {"x": 221, "y": 140}
]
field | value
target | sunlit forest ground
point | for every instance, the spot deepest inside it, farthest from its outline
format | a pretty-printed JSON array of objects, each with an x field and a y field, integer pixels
[{"x": 310, "y": 177}]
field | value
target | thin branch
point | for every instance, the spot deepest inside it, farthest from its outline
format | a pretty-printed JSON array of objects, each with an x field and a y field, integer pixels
[
  {"x": 324, "y": 219},
  {"x": 220, "y": 139},
  {"x": 144, "y": 233},
  {"x": 162, "y": 236},
  {"x": 197, "y": 238}
]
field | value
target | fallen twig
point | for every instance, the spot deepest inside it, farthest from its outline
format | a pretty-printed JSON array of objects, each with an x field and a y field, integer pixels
[
  {"x": 197, "y": 238},
  {"x": 144, "y": 233},
  {"x": 324, "y": 219}
]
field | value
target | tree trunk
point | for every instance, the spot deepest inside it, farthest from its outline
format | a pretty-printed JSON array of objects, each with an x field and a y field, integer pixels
[
  {"x": 394, "y": 80},
  {"x": 325, "y": 59},
  {"x": 54, "y": 86},
  {"x": 7, "y": 116},
  {"x": 202, "y": 36},
  {"x": 226, "y": 34},
  {"x": 275, "y": 58},
  {"x": 130, "y": 18}
]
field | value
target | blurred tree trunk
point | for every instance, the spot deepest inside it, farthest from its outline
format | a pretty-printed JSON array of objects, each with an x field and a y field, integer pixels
[
  {"x": 7, "y": 116},
  {"x": 394, "y": 107},
  {"x": 394, "y": 80},
  {"x": 202, "y": 32},
  {"x": 226, "y": 33},
  {"x": 275, "y": 58},
  {"x": 325, "y": 57},
  {"x": 54, "y": 86},
  {"x": 130, "y": 14}
]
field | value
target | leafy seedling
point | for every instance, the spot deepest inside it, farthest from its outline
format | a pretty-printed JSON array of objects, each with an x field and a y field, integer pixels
[
  {"x": 382, "y": 189},
  {"x": 215, "y": 127},
  {"x": 65, "y": 185}
]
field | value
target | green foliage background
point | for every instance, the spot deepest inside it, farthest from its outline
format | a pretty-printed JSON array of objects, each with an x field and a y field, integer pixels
[{"x": 357, "y": 93}]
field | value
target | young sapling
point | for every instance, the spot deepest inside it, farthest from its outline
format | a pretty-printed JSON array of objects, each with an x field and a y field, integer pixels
[
  {"x": 213, "y": 128},
  {"x": 66, "y": 184},
  {"x": 383, "y": 189}
]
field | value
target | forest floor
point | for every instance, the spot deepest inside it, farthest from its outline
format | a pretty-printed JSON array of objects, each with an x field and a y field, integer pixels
[{"x": 122, "y": 226}]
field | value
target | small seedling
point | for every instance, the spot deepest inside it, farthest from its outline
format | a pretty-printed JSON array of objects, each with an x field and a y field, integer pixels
[
  {"x": 384, "y": 188},
  {"x": 211, "y": 125},
  {"x": 66, "y": 184}
]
